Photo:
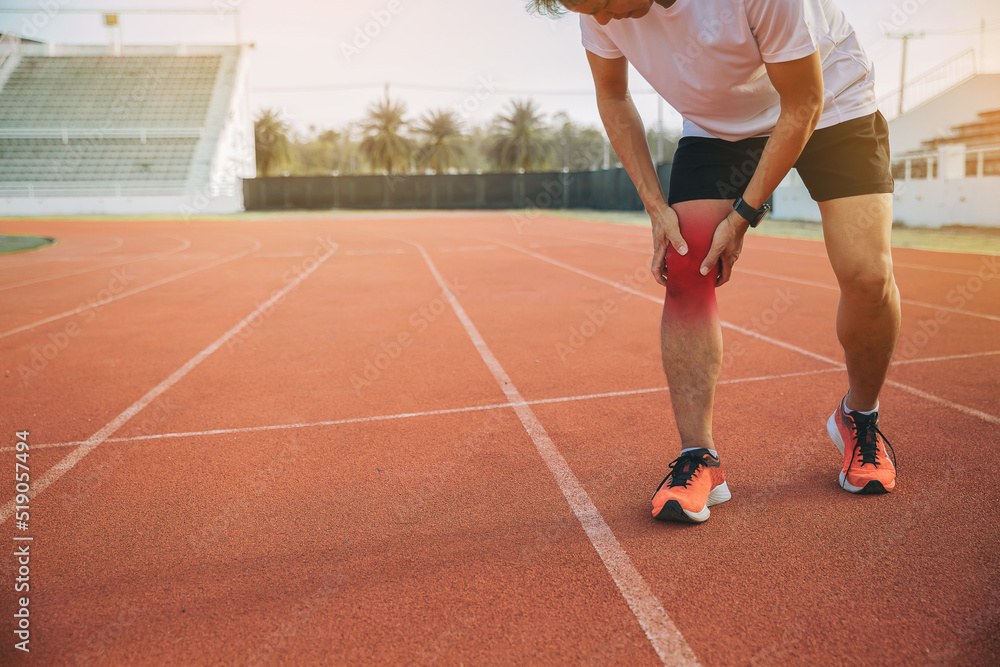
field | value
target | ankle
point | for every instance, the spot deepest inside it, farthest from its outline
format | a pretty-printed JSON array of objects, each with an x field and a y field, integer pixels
[
  {"x": 711, "y": 451},
  {"x": 852, "y": 404}
]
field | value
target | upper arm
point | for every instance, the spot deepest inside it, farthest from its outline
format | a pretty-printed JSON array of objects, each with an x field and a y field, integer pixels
[
  {"x": 610, "y": 76},
  {"x": 799, "y": 82}
]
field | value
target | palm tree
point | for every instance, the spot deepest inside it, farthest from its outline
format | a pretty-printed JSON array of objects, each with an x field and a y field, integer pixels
[
  {"x": 387, "y": 148},
  {"x": 575, "y": 148},
  {"x": 519, "y": 139},
  {"x": 443, "y": 133},
  {"x": 271, "y": 144},
  {"x": 321, "y": 154}
]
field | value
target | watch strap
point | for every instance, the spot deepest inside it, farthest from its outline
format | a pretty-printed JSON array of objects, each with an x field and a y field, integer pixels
[{"x": 749, "y": 213}]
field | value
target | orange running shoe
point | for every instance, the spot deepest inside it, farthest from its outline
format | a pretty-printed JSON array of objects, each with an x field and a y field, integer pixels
[
  {"x": 696, "y": 483},
  {"x": 867, "y": 468}
]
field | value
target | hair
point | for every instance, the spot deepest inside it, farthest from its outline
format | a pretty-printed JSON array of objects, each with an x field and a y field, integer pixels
[{"x": 553, "y": 8}]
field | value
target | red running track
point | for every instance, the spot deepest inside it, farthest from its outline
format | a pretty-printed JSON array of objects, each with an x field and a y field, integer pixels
[{"x": 283, "y": 441}]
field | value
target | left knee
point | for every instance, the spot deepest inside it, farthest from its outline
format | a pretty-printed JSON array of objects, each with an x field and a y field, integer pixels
[{"x": 871, "y": 285}]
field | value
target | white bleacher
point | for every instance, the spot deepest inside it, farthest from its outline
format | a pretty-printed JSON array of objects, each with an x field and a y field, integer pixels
[{"x": 154, "y": 130}]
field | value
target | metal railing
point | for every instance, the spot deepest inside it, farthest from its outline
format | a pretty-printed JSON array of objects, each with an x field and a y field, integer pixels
[
  {"x": 115, "y": 189},
  {"x": 67, "y": 133},
  {"x": 934, "y": 81},
  {"x": 111, "y": 189}
]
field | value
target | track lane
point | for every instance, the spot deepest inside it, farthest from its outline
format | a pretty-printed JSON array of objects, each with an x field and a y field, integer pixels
[
  {"x": 224, "y": 493},
  {"x": 96, "y": 292},
  {"x": 88, "y": 267},
  {"x": 308, "y": 593},
  {"x": 900, "y": 527}
]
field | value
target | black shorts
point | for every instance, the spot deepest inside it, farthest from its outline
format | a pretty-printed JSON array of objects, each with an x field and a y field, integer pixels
[{"x": 843, "y": 160}]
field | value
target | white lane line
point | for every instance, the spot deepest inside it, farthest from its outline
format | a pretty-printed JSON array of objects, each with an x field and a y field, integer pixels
[
  {"x": 39, "y": 484},
  {"x": 467, "y": 248},
  {"x": 119, "y": 242},
  {"x": 185, "y": 244},
  {"x": 905, "y": 265},
  {"x": 104, "y": 302},
  {"x": 836, "y": 288},
  {"x": 382, "y": 251},
  {"x": 493, "y": 406},
  {"x": 934, "y": 306},
  {"x": 923, "y": 267},
  {"x": 773, "y": 341},
  {"x": 658, "y": 301},
  {"x": 949, "y": 357},
  {"x": 972, "y": 412},
  {"x": 35, "y": 260},
  {"x": 666, "y": 639},
  {"x": 281, "y": 427},
  {"x": 409, "y": 415}
]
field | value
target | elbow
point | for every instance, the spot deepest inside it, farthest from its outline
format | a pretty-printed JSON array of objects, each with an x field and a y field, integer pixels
[
  {"x": 806, "y": 113},
  {"x": 812, "y": 105},
  {"x": 816, "y": 107}
]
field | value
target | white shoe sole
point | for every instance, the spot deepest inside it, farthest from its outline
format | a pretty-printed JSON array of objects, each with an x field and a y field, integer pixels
[
  {"x": 672, "y": 510},
  {"x": 716, "y": 496},
  {"x": 834, "y": 432}
]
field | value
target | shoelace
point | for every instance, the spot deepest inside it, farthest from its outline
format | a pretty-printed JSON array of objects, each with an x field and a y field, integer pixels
[
  {"x": 867, "y": 434},
  {"x": 686, "y": 465}
]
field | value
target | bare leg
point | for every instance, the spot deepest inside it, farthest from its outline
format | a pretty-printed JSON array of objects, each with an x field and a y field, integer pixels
[
  {"x": 857, "y": 231},
  {"x": 690, "y": 333}
]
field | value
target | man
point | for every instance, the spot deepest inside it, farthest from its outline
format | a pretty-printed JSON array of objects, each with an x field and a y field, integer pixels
[{"x": 763, "y": 85}]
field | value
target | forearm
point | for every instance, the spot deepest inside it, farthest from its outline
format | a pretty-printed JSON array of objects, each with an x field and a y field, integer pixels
[
  {"x": 628, "y": 137},
  {"x": 791, "y": 132}
]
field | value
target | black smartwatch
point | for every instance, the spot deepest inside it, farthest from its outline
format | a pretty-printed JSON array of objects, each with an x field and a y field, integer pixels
[{"x": 749, "y": 213}]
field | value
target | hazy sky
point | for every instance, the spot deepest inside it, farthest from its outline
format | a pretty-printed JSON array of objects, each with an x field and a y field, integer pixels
[{"x": 473, "y": 55}]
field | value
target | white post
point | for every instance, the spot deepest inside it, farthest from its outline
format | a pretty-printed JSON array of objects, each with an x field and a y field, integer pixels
[{"x": 951, "y": 162}]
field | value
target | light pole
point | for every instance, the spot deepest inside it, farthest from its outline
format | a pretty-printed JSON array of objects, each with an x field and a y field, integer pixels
[{"x": 906, "y": 37}]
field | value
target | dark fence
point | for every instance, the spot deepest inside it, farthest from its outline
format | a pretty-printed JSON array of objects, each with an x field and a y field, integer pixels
[{"x": 608, "y": 189}]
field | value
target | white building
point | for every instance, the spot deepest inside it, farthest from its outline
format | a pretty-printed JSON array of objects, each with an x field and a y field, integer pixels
[{"x": 945, "y": 152}]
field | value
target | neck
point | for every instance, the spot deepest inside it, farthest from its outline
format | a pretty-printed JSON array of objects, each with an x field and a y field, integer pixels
[{"x": 666, "y": 4}]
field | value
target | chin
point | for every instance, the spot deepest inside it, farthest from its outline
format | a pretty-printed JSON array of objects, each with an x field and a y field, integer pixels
[{"x": 639, "y": 13}]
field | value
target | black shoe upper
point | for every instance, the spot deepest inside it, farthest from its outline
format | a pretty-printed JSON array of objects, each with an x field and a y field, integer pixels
[
  {"x": 686, "y": 465},
  {"x": 866, "y": 434}
]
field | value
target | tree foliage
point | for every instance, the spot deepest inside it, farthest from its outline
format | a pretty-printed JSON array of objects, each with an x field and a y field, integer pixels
[
  {"x": 442, "y": 145},
  {"x": 271, "y": 143},
  {"x": 386, "y": 142},
  {"x": 520, "y": 139}
]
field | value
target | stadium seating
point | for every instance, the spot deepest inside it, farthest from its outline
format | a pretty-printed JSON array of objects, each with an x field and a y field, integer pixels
[
  {"x": 102, "y": 123},
  {"x": 93, "y": 92}
]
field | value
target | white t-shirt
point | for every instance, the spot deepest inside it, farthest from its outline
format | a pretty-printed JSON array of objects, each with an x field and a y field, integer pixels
[{"x": 706, "y": 58}]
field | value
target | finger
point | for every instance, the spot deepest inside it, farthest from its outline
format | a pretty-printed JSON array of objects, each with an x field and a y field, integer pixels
[
  {"x": 725, "y": 272},
  {"x": 711, "y": 258},
  {"x": 677, "y": 241},
  {"x": 726, "y": 268},
  {"x": 659, "y": 267}
]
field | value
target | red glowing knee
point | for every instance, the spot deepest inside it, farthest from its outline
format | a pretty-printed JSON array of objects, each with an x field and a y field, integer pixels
[{"x": 691, "y": 295}]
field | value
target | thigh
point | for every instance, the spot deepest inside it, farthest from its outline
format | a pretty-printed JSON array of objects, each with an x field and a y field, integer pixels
[{"x": 858, "y": 234}]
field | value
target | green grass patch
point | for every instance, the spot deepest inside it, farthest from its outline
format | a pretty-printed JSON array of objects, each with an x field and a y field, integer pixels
[{"x": 9, "y": 244}]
